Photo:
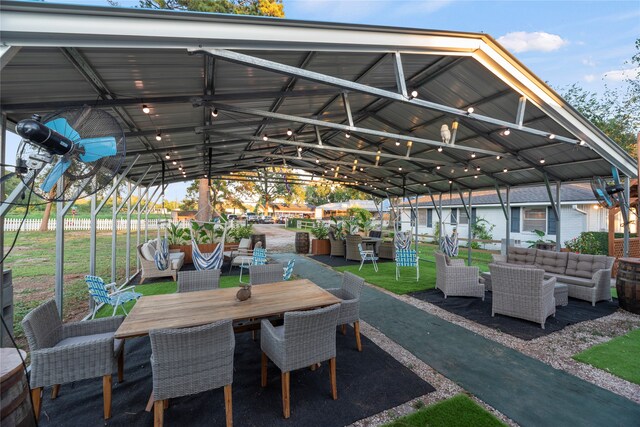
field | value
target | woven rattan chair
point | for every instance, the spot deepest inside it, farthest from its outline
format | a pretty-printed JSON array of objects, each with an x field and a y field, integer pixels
[
  {"x": 351, "y": 247},
  {"x": 63, "y": 353},
  {"x": 203, "y": 280},
  {"x": 349, "y": 293},
  {"x": 337, "y": 245},
  {"x": 457, "y": 279},
  {"x": 189, "y": 361},
  {"x": 522, "y": 293},
  {"x": 387, "y": 250},
  {"x": 306, "y": 338},
  {"x": 268, "y": 273},
  {"x": 151, "y": 271}
]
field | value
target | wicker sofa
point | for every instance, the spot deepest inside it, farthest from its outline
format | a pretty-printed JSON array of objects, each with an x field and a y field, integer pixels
[
  {"x": 588, "y": 277},
  {"x": 148, "y": 264}
]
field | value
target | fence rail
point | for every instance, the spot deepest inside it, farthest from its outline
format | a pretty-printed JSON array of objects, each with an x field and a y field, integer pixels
[{"x": 70, "y": 224}]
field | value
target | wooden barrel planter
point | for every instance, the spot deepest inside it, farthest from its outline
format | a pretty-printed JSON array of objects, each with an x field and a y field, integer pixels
[
  {"x": 16, "y": 404},
  {"x": 255, "y": 238},
  {"x": 628, "y": 284},
  {"x": 302, "y": 242}
]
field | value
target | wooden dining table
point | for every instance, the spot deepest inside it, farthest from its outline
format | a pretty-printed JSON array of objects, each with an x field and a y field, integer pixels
[{"x": 182, "y": 310}]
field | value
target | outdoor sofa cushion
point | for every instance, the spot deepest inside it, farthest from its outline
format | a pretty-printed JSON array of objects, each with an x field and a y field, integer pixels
[
  {"x": 572, "y": 280},
  {"x": 581, "y": 265},
  {"x": 148, "y": 251},
  {"x": 521, "y": 255},
  {"x": 552, "y": 261},
  {"x": 117, "y": 344}
]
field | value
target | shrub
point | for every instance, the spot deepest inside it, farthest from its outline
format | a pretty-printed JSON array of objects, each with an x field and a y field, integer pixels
[
  {"x": 320, "y": 230},
  {"x": 239, "y": 232},
  {"x": 588, "y": 243}
]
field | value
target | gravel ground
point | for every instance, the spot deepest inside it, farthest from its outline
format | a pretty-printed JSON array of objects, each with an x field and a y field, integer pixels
[{"x": 279, "y": 239}]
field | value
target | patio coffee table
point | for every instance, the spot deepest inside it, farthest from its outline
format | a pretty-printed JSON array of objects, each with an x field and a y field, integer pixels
[
  {"x": 561, "y": 294},
  {"x": 182, "y": 310}
]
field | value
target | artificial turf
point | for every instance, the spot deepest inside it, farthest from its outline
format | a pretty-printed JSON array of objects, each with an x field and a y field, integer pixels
[
  {"x": 459, "y": 410},
  {"x": 385, "y": 277},
  {"x": 618, "y": 356}
]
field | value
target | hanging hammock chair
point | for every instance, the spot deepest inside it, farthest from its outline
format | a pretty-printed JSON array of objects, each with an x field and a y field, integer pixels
[
  {"x": 449, "y": 245},
  {"x": 402, "y": 240},
  {"x": 211, "y": 261}
]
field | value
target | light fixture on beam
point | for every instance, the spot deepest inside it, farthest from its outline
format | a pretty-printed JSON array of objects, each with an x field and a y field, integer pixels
[
  {"x": 498, "y": 157},
  {"x": 542, "y": 161},
  {"x": 378, "y": 157},
  {"x": 439, "y": 149},
  {"x": 159, "y": 136},
  {"x": 355, "y": 165},
  {"x": 397, "y": 143},
  {"x": 146, "y": 109},
  {"x": 506, "y": 132},
  {"x": 473, "y": 155},
  {"x": 317, "y": 160},
  {"x": 174, "y": 163},
  {"x": 409, "y": 144},
  {"x": 265, "y": 137},
  {"x": 478, "y": 168},
  {"x": 466, "y": 168},
  {"x": 413, "y": 94},
  {"x": 214, "y": 113},
  {"x": 505, "y": 170},
  {"x": 583, "y": 142},
  {"x": 167, "y": 156},
  {"x": 552, "y": 136},
  {"x": 450, "y": 182},
  {"x": 347, "y": 135},
  {"x": 179, "y": 168},
  {"x": 400, "y": 169},
  {"x": 470, "y": 110},
  {"x": 438, "y": 167},
  {"x": 475, "y": 176}
]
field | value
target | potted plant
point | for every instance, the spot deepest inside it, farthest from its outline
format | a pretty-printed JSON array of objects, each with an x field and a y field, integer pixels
[
  {"x": 321, "y": 244},
  {"x": 541, "y": 243}
]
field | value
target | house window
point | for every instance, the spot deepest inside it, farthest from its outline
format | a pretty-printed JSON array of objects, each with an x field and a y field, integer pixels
[
  {"x": 429, "y": 217},
  {"x": 463, "y": 218},
  {"x": 422, "y": 217},
  {"x": 534, "y": 219}
]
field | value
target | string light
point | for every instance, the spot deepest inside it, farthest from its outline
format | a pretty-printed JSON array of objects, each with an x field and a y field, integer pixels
[
  {"x": 289, "y": 132},
  {"x": 174, "y": 162},
  {"x": 347, "y": 135},
  {"x": 552, "y": 136},
  {"x": 397, "y": 143},
  {"x": 542, "y": 161},
  {"x": 506, "y": 132},
  {"x": 146, "y": 109},
  {"x": 439, "y": 149},
  {"x": 265, "y": 137},
  {"x": 214, "y": 113},
  {"x": 159, "y": 136},
  {"x": 470, "y": 110},
  {"x": 504, "y": 170},
  {"x": 167, "y": 156},
  {"x": 473, "y": 155},
  {"x": 498, "y": 157}
]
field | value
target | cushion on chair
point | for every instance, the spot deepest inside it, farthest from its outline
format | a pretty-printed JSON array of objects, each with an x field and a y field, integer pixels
[
  {"x": 571, "y": 280},
  {"x": 552, "y": 261},
  {"x": 521, "y": 255},
  {"x": 147, "y": 251},
  {"x": 117, "y": 344},
  {"x": 582, "y": 265}
]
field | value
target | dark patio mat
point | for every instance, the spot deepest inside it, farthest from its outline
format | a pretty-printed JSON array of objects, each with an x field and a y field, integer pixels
[
  {"x": 478, "y": 311},
  {"x": 368, "y": 383},
  {"x": 338, "y": 261}
]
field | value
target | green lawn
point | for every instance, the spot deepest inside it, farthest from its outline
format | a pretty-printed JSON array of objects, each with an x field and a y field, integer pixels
[
  {"x": 386, "y": 276},
  {"x": 618, "y": 356},
  {"x": 459, "y": 410}
]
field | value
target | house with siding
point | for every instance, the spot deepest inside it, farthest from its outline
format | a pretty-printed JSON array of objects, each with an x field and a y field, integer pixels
[{"x": 530, "y": 210}]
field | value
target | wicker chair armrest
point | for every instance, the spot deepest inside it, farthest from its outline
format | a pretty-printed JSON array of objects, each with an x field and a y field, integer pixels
[
  {"x": 499, "y": 258},
  {"x": 549, "y": 283},
  {"x": 465, "y": 270},
  {"x": 456, "y": 262},
  {"x": 602, "y": 277},
  {"x": 91, "y": 327},
  {"x": 269, "y": 330}
]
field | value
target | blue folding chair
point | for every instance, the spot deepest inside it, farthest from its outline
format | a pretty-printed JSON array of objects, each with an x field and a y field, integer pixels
[
  {"x": 288, "y": 269},
  {"x": 407, "y": 258},
  {"x": 103, "y": 293}
]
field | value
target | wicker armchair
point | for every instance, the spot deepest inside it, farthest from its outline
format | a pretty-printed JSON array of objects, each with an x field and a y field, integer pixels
[
  {"x": 203, "y": 280},
  {"x": 189, "y": 361},
  {"x": 522, "y": 293},
  {"x": 150, "y": 270},
  {"x": 268, "y": 273},
  {"x": 351, "y": 247},
  {"x": 349, "y": 293},
  {"x": 63, "y": 353},
  {"x": 306, "y": 338},
  {"x": 456, "y": 279},
  {"x": 337, "y": 245},
  {"x": 387, "y": 250}
]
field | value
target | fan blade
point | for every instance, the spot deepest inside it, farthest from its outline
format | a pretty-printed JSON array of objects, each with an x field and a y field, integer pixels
[
  {"x": 605, "y": 197},
  {"x": 54, "y": 175},
  {"x": 6, "y": 177},
  {"x": 97, "y": 148},
  {"x": 63, "y": 127}
]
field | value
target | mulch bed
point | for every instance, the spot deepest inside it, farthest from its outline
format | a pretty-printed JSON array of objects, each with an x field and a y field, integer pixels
[
  {"x": 369, "y": 382},
  {"x": 479, "y": 311}
]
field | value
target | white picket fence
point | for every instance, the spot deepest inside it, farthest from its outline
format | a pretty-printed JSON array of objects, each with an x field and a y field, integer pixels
[{"x": 71, "y": 224}]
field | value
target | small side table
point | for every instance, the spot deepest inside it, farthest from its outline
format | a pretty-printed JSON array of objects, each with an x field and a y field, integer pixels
[
  {"x": 561, "y": 294},
  {"x": 487, "y": 280}
]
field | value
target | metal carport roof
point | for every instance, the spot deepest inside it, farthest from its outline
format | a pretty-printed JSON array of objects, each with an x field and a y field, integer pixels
[{"x": 265, "y": 76}]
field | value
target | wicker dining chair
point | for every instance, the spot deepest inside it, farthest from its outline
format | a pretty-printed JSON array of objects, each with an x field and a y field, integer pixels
[
  {"x": 349, "y": 293},
  {"x": 457, "y": 279},
  {"x": 64, "y": 353},
  {"x": 268, "y": 273},
  {"x": 351, "y": 247},
  {"x": 203, "y": 280},
  {"x": 189, "y": 361},
  {"x": 337, "y": 245},
  {"x": 305, "y": 339}
]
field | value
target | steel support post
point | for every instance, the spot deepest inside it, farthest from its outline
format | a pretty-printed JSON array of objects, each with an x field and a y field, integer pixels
[
  {"x": 59, "y": 274},
  {"x": 138, "y": 223},
  {"x": 627, "y": 195},
  {"x": 3, "y": 157},
  {"x": 508, "y": 233},
  {"x": 128, "y": 238},
  {"x": 440, "y": 217},
  {"x": 131, "y": 208},
  {"x": 470, "y": 229},
  {"x": 114, "y": 229},
  {"x": 559, "y": 217},
  {"x": 415, "y": 208}
]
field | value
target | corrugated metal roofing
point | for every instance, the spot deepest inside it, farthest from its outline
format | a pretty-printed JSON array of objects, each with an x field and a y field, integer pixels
[{"x": 119, "y": 59}]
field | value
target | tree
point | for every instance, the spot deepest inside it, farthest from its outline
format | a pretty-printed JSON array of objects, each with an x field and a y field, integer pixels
[
  {"x": 617, "y": 111},
  {"x": 320, "y": 194},
  {"x": 237, "y": 7}
]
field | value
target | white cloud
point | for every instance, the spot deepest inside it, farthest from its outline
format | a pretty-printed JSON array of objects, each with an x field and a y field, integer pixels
[
  {"x": 621, "y": 75},
  {"x": 522, "y": 41},
  {"x": 589, "y": 62},
  {"x": 589, "y": 78}
]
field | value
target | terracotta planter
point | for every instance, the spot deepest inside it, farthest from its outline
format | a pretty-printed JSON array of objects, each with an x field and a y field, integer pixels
[{"x": 320, "y": 246}]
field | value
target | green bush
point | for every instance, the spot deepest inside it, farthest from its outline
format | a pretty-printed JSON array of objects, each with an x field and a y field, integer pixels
[
  {"x": 320, "y": 230},
  {"x": 589, "y": 242},
  {"x": 239, "y": 232}
]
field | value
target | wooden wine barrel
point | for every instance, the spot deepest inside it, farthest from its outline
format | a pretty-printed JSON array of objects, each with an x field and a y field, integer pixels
[
  {"x": 16, "y": 409},
  {"x": 302, "y": 242},
  {"x": 259, "y": 238},
  {"x": 628, "y": 284}
]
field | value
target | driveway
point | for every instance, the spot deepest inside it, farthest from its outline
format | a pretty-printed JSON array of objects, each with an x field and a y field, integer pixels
[{"x": 278, "y": 238}]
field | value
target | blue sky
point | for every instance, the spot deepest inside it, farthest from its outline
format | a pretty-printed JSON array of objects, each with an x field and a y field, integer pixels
[{"x": 563, "y": 42}]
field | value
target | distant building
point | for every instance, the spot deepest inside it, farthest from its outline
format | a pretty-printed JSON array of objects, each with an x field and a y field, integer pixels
[
  {"x": 530, "y": 210},
  {"x": 338, "y": 209},
  {"x": 284, "y": 210}
]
